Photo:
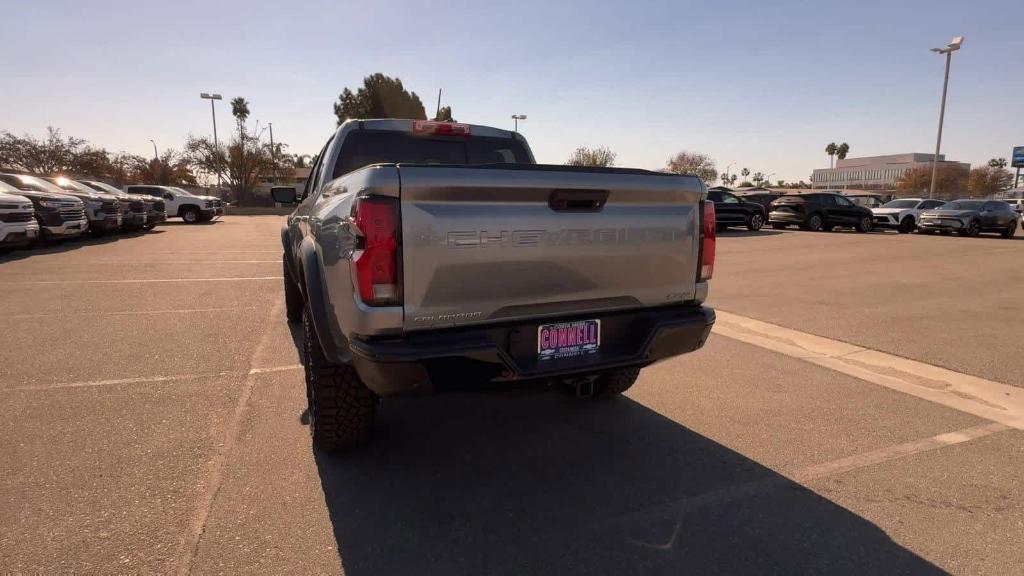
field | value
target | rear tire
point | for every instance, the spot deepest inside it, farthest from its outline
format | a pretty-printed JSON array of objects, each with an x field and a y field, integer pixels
[
  {"x": 615, "y": 382},
  {"x": 755, "y": 222},
  {"x": 864, "y": 224},
  {"x": 1010, "y": 230},
  {"x": 973, "y": 229},
  {"x": 292, "y": 295},
  {"x": 907, "y": 225},
  {"x": 813, "y": 223},
  {"x": 341, "y": 407}
]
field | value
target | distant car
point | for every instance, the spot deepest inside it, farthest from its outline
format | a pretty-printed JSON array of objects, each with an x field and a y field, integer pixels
[
  {"x": 59, "y": 215},
  {"x": 970, "y": 217},
  {"x": 103, "y": 210},
  {"x": 1017, "y": 204},
  {"x": 180, "y": 202},
  {"x": 731, "y": 210},
  {"x": 134, "y": 209},
  {"x": 18, "y": 225},
  {"x": 763, "y": 198},
  {"x": 819, "y": 211},
  {"x": 867, "y": 200},
  {"x": 903, "y": 214}
]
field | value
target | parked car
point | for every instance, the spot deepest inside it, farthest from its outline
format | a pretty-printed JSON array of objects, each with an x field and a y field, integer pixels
[
  {"x": 868, "y": 200},
  {"x": 59, "y": 215},
  {"x": 970, "y": 217},
  {"x": 731, "y": 210},
  {"x": 1017, "y": 204},
  {"x": 414, "y": 271},
  {"x": 819, "y": 211},
  {"x": 903, "y": 214},
  {"x": 102, "y": 210},
  {"x": 18, "y": 226},
  {"x": 135, "y": 209},
  {"x": 765, "y": 199},
  {"x": 180, "y": 202}
]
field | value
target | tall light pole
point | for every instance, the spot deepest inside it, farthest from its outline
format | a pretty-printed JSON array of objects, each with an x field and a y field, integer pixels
[
  {"x": 517, "y": 118},
  {"x": 768, "y": 178},
  {"x": 948, "y": 51},
  {"x": 155, "y": 155},
  {"x": 273, "y": 152},
  {"x": 727, "y": 167},
  {"x": 216, "y": 145}
]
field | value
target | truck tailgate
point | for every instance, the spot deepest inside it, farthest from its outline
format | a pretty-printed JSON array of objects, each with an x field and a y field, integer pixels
[{"x": 494, "y": 244}]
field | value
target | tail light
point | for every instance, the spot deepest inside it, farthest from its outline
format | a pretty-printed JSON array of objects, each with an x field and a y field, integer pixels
[
  {"x": 707, "y": 241},
  {"x": 376, "y": 256},
  {"x": 442, "y": 128}
]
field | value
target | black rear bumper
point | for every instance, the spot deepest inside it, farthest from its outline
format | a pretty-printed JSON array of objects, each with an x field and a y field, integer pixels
[{"x": 488, "y": 357}]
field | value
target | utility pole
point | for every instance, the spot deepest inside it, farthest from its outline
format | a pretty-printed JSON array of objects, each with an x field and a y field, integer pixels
[
  {"x": 156, "y": 157},
  {"x": 438, "y": 113},
  {"x": 948, "y": 51},
  {"x": 216, "y": 145},
  {"x": 273, "y": 151}
]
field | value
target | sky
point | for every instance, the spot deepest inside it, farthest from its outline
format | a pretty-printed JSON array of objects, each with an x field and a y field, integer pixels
[{"x": 761, "y": 85}]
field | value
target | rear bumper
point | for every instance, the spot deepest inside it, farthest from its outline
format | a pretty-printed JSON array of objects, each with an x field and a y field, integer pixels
[
  {"x": 489, "y": 357},
  {"x": 787, "y": 217}
]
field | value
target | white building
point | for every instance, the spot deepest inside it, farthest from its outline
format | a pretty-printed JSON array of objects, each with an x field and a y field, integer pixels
[{"x": 874, "y": 172}]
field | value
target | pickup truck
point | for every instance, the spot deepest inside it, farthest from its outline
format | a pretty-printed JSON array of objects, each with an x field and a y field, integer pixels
[
  {"x": 179, "y": 202},
  {"x": 426, "y": 257},
  {"x": 18, "y": 225}
]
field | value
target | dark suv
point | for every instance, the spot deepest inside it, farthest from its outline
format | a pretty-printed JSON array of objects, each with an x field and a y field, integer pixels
[
  {"x": 731, "y": 210},
  {"x": 819, "y": 211}
]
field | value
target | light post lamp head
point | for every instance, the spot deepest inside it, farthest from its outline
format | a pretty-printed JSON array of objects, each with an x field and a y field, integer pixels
[{"x": 953, "y": 46}]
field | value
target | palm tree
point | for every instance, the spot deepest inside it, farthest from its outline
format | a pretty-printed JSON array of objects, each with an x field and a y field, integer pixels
[
  {"x": 842, "y": 150},
  {"x": 240, "y": 110},
  {"x": 831, "y": 150},
  {"x": 745, "y": 172}
]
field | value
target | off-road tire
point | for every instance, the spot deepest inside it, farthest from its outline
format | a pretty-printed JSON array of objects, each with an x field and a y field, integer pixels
[
  {"x": 907, "y": 225},
  {"x": 293, "y": 304},
  {"x": 341, "y": 407},
  {"x": 615, "y": 382}
]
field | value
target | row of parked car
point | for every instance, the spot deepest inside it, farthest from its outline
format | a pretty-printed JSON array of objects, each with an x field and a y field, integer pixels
[
  {"x": 828, "y": 209},
  {"x": 46, "y": 208}
]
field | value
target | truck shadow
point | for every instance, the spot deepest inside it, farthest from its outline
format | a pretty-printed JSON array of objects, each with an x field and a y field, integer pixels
[{"x": 541, "y": 484}]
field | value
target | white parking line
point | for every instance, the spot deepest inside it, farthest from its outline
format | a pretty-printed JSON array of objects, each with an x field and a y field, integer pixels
[
  {"x": 986, "y": 399},
  {"x": 150, "y": 280},
  {"x": 153, "y": 379},
  {"x": 806, "y": 474},
  {"x": 135, "y": 312}
]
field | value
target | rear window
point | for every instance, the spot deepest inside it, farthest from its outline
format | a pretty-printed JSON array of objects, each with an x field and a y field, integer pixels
[{"x": 365, "y": 147}]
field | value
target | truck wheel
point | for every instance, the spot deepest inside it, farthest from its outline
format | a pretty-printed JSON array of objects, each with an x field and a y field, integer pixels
[
  {"x": 615, "y": 382},
  {"x": 341, "y": 407},
  {"x": 292, "y": 296},
  {"x": 190, "y": 215}
]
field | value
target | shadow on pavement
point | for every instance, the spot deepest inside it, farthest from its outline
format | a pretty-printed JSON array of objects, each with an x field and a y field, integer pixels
[
  {"x": 545, "y": 484},
  {"x": 57, "y": 246},
  {"x": 737, "y": 233}
]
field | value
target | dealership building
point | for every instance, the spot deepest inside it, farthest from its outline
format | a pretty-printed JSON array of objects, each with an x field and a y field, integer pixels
[{"x": 874, "y": 172}]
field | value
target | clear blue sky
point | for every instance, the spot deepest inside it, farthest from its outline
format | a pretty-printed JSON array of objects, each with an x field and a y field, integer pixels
[{"x": 762, "y": 84}]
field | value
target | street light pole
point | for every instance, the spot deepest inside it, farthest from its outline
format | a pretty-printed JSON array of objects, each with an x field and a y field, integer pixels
[
  {"x": 517, "y": 118},
  {"x": 948, "y": 51},
  {"x": 273, "y": 152},
  {"x": 727, "y": 167},
  {"x": 216, "y": 145},
  {"x": 156, "y": 156}
]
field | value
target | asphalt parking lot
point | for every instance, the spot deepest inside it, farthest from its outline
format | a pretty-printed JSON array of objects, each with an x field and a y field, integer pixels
[{"x": 858, "y": 410}]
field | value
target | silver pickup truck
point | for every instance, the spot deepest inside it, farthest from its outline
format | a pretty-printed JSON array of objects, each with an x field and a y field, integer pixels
[{"x": 426, "y": 257}]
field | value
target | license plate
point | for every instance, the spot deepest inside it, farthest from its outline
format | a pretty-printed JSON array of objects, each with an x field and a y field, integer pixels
[{"x": 568, "y": 339}]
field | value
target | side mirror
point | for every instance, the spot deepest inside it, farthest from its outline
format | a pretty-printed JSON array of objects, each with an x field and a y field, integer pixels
[{"x": 283, "y": 194}]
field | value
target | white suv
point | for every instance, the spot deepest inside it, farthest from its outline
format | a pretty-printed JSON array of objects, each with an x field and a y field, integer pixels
[
  {"x": 903, "y": 214},
  {"x": 182, "y": 203},
  {"x": 18, "y": 225}
]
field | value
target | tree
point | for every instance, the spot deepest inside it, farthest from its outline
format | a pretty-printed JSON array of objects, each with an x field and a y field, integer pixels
[
  {"x": 725, "y": 179},
  {"x": 831, "y": 149},
  {"x": 240, "y": 162},
  {"x": 997, "y": 163},
  {"x": 781, "y": 183},
  {"x": 240, "y": 110},
  {"x": 746, "y": 184},
  {"x": 600, "y": 156},
  {"x": 170, "y": 169},
  {"x": 951, "y": 181},
  {"x": 695, "y": 163},
  {"x": 987, "y": 180},
  {"x": 445, "y": 114},
  {"x": 745, "y": 172},
  {"x": 842, "y": 150},
  {"x": 379, "y": 97},
  {"x": 758, "y": 178},
  {"x": 732, "y": 179},
  {"x": 53, "y": 155}
]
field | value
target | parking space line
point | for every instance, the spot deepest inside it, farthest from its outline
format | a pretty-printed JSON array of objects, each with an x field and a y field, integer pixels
[
  {"x": 986, "y": 399},
  {"x": 141, "y": 281},
  {"x": 134, "y": 312},
  {"x": 808, "y": 473},
  {"x": 154, "y": 379}
]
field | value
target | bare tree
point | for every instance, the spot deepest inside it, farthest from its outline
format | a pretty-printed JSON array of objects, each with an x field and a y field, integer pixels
[
  {"x": 600, "y": 156},
  {"x": 694, "y": 163}
]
